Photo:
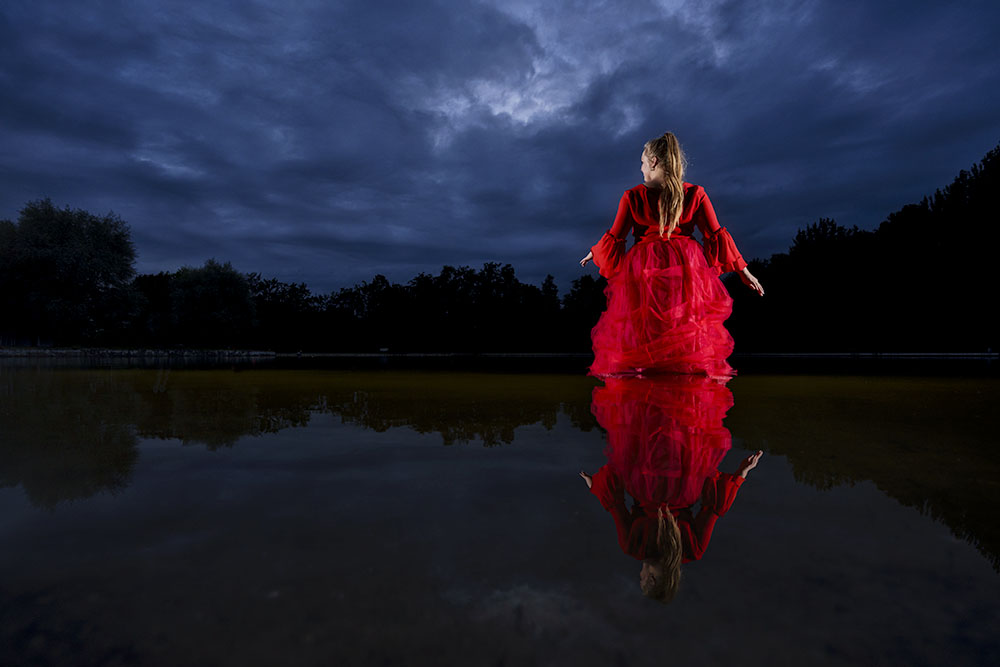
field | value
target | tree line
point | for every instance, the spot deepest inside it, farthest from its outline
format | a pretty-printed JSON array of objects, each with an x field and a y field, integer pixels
[
  {"x": 921, "y": 281},
  {"x": 67, "y": 277}
]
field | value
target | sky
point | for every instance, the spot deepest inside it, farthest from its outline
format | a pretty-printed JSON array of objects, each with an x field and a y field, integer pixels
[{"x": 327, "y": 142}]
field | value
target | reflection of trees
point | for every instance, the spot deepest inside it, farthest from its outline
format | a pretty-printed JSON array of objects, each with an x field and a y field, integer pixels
[
  {"x": 842, "y": 430},
  {"x": 581, "y": 417},
  {"x": 70, "y": 433},
  {"x": 382, "y": 412},
  {"x": 65, "y": 435},
  {"x": 461, "y": 407},
  {"x": 215, "y": 408}
]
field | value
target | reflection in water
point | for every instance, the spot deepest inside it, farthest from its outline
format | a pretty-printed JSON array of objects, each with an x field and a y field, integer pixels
[
  {"x": 927, "y": 442},
  {"x": 665, "y": 443},
  {"x": 67, "y": 434}
]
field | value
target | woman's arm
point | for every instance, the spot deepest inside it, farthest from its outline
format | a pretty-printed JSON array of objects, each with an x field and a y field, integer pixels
[
  {"x": 608, "y": 488},
  {"x": 610, "y": 250},
  {"x": 717, "y": 497},
  {"x": 720, "y": 249}
]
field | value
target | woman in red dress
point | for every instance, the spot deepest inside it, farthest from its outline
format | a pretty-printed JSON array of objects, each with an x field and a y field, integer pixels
[{"x": 665, "y": 303}]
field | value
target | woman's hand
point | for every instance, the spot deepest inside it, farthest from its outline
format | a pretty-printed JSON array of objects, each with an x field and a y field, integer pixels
[
  {"x": 751, "y": 282},
  {"x": 748, "y": 464},
  {"x": 589, "y": 257},
  {"x": 589, "y": 479}
]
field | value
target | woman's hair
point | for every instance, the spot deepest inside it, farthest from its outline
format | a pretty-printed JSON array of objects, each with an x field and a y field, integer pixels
[
  {"x": 668, "y": 151},
  {"x": 668, "y": 542}
]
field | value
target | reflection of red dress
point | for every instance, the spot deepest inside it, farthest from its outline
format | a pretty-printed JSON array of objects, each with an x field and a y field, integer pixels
[
  {"x": 665, "y": 304},
  {"x": 665, "y": 443}
]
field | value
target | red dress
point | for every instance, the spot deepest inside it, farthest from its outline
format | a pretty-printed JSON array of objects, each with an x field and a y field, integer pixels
[
  {"x": 637, "y": 530},
  {"x": 666, "y": 439},
  {"x": 665, "y": 303}
]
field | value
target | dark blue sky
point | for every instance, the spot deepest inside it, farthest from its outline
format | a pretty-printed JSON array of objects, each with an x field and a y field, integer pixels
[{"x": 326, "y": 142}]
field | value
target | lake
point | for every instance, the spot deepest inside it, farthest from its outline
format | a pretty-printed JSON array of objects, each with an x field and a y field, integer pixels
[{"x": 281, "y": 513}]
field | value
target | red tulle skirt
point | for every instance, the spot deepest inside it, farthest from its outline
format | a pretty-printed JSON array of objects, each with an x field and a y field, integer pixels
[
  {"x": 665, "y": 314},
  {"x": 665, "y": 435}
]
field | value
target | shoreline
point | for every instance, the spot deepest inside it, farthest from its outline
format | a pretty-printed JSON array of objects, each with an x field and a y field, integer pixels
[
  {"x": 149, "y": 353},
  {"x": 100, "y": 352}
]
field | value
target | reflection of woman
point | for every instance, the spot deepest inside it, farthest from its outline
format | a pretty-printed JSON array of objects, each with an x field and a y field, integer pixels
[
  {"x": 666, "y": 306},
  {"x": 665, "y": 443}
]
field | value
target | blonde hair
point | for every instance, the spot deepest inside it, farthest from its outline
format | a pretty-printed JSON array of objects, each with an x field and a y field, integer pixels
[
  {"x": 668, "y": 542},
  {"x": 667, "y": 150}
]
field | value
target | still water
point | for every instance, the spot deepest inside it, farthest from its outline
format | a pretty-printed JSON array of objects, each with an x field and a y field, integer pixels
[{"x": 286, "y": 516}]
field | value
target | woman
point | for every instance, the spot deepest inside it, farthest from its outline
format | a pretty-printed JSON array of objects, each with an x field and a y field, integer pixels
[{"x": 665, "y": 303}]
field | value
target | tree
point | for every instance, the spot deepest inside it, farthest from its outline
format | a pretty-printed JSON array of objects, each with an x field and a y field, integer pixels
[
  {"x": 9, "y": 301},
  {"x": 153, "y": 323},
  {"x": 65, "y": 274},
  {"x": 211, "y": 305},
  {"x": 581, "y": 308},
  {"x": 286, "y": 314}
]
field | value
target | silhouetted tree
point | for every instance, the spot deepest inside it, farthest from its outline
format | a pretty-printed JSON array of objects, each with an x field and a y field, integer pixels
[
  {"x": 65, "y": 274},
  {"x": 153, "y": 324},
  {"x": 210, "y": 306},
  {"x": 581, "y": 308},
  {"x": 287, "y": 315},
  {"x": 459, "y": 310},
  {"x": 10, "y": 301},
  {"x": 922, "y": 281}
]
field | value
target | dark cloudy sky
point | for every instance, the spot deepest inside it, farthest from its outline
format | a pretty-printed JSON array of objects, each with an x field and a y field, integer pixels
[{"x": 326, "y": 142}]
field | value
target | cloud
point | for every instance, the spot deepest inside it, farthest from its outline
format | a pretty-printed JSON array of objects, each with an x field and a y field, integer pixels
[{"x": 316, "y": 141}]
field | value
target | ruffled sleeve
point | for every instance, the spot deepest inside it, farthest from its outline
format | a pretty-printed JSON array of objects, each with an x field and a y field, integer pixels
[
  {"x": 717, "y": 496},
  {"x": 608, "y": 488},
  {"x": 719, "y": 492},
  {"x": 720, "y": 249},
  {"x": 721, "y": 252},
  {"x": 608, "y": 254},
  {"x": 610, "y": 250}
]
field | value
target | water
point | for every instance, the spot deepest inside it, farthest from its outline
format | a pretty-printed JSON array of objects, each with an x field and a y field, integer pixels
[{"x": 264, "y": 516}]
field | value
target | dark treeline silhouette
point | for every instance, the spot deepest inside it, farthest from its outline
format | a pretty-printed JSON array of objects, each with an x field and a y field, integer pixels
[
  {"x": 64, "y": 275},
  {"x": 458, "y": 310},
  {"x": 921, "y": 281},
  {"x": 67, "y": 277}
]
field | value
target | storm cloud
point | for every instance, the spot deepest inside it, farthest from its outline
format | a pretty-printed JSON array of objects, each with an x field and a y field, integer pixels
[{"x": 326, "y": 142}]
